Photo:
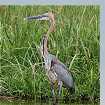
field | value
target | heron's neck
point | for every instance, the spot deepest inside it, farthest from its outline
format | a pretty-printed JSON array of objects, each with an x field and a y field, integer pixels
[
  {"x": 45, "y": 49},
  {"x": 52, "y": 26}
]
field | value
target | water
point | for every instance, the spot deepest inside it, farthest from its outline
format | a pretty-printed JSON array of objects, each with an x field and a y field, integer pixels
[{"x": 24, "y": 102}]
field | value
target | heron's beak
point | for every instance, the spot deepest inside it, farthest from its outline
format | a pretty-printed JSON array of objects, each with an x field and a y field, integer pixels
[
  {"x": 46, "y": 16},
  {"x": 39, "y": 17}
]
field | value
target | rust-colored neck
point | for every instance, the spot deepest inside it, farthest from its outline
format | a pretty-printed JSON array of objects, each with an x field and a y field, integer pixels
[
  {"x": 43, "y": 46},
  {"x": 52, "y": 23},
  {"x": 45, "y": 49}
]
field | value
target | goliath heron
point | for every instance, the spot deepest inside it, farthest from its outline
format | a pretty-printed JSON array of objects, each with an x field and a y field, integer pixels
[{"x": 56, "y": 71}]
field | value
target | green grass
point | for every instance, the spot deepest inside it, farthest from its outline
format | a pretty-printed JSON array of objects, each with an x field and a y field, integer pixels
[{"x": 75, "y": 43}]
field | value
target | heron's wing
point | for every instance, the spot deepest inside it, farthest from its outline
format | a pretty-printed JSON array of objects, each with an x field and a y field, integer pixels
[{"x": 63, "y": 74}]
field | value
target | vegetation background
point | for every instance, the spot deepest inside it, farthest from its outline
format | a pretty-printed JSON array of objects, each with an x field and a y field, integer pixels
[{"x": 75, "y": 42}]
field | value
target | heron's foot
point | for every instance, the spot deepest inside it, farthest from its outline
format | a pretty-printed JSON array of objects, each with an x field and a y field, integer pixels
[
  {"x": 52, "y": 93},
  {"x": 55, "y": 101}
]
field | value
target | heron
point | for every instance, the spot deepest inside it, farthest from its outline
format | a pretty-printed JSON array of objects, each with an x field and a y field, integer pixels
[{"x": 57, "y": 72}]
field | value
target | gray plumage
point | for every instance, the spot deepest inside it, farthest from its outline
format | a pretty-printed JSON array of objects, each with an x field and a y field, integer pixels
[{"x": 62, "y": 72}]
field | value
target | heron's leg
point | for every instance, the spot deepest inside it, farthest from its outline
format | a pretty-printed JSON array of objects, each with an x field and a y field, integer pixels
[
  {"x": 59, "y": 87},
  {"x": 52, "y": 89}
]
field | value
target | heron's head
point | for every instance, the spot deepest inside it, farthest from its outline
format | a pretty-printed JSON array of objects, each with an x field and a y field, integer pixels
[{"x": 46, "y": 16}]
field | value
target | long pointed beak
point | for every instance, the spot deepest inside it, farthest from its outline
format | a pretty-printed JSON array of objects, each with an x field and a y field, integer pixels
[{"x": 39, "y": 17}]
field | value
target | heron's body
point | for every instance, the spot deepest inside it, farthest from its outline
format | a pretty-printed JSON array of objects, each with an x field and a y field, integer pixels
[{"x": 56, "y": 71}]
